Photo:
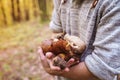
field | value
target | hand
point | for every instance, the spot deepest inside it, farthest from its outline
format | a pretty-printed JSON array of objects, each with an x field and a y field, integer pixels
[
  {"x": 70, "y": 63},
  {"x": 46, "y": 61},
  {"x": 77, "y": 72}
]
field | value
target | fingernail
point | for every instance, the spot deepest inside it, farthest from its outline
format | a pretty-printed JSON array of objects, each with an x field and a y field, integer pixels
[
  {"x": 72, "y": 60},
  {"x": 67, "y": 70},
  {"x": 78, "y": 61},
  {"x": 39, "y": 51},
  {"x": 58, "y": 69},
  {"x": 49, "y": 55}
]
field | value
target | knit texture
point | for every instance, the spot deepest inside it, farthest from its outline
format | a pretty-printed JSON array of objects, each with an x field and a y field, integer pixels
[{"x": 98, "y": 27}]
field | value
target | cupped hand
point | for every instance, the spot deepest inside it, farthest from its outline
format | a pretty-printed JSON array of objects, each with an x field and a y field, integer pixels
[{"x": 46, "y": 61}]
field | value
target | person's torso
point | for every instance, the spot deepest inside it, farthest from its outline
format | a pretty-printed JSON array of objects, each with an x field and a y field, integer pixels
[{"x": 74, "y": 18}]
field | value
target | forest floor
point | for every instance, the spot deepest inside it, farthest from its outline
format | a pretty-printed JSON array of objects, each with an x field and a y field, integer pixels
[{"x": 18, "y": 51}]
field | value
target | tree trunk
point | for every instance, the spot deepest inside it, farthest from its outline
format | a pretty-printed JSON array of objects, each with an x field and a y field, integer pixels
[
  {"x": 22, "y": 10},
  {"x": 43, "y": 8},
  {"x": 7, "y": 9},
  {"x": 2, "y": 21}
]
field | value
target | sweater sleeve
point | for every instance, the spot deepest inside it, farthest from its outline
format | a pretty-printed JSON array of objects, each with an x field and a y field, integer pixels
[
  {"x": 55, "y": 23},
  {"x": 104, "y": 61}
]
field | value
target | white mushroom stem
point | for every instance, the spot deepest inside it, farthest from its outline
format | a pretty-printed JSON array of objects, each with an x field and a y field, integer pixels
[{"x": 75, "y": 42}]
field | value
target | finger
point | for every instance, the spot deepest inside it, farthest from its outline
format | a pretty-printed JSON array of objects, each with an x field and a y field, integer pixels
[
  {"x": 66, "y": 69},
  {"x": 40, "y": 51},
  {"x": 43, "y": 59},
  {"x": 76, "y": 62},
  {"x": 54, "y": 68},
  {"x": 70, "y": 62},
  {"x": 49, "y": 55}
]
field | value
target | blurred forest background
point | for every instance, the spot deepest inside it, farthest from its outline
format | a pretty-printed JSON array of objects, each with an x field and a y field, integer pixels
[{"x": 23, "y": 25}]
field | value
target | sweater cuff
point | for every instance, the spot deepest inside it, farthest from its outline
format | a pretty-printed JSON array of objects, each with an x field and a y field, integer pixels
[
  {"x": 99, "y": 68},
  {"x": 55, "y": 28}
]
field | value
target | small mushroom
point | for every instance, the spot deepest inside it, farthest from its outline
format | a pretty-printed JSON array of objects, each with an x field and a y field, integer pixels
[{"x": 64, "y": 48}]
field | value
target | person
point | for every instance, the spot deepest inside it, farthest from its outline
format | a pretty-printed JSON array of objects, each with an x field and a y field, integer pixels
[{"x": 97, "y": 23}]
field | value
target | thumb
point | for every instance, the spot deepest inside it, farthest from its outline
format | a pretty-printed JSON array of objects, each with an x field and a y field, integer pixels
[
  {"x": 40, "y": 52},
  {"x": 49, "y": 55}
]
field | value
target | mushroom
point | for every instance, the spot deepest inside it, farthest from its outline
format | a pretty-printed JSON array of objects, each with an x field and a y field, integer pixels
[{"x": 63, "y": 47}]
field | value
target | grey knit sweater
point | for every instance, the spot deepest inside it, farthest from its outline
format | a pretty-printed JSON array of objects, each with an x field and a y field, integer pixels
[{"x": 98, "y": 27}]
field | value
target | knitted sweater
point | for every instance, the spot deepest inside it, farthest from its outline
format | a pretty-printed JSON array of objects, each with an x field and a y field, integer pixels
[{"x": 98, "y": 27}]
